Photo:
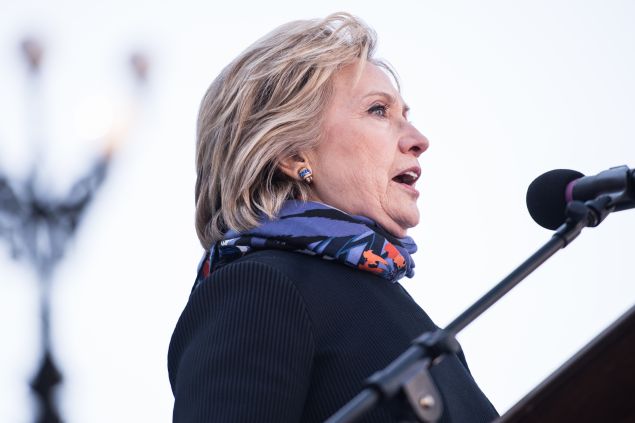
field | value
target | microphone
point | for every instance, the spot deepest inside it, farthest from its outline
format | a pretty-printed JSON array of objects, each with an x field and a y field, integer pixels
[{"x": 549, "y": 194}]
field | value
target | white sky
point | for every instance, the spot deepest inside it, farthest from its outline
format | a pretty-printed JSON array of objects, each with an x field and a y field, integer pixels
[{"x": 503, "y": 90}]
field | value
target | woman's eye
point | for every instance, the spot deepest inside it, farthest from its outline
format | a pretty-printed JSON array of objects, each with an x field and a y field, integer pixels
[{"x": 378, "y": 110}]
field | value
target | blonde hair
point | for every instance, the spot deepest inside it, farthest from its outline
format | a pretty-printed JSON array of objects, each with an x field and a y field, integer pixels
[{"x": 264, "y": 106}]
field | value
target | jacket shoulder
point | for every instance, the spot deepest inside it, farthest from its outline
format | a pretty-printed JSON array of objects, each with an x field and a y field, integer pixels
[{"x": 247, "y": 293}]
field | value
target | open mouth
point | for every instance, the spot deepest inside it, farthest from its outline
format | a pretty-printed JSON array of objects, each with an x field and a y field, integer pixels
[{"x": 408, "y": 177}]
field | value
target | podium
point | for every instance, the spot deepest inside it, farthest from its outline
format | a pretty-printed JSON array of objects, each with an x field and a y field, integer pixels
[{"x": 596, "y": 385}]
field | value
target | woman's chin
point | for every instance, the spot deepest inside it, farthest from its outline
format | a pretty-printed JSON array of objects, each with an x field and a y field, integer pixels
[
  {"x": 410, "y": 220},
  {"x": 399, "y": 225}
]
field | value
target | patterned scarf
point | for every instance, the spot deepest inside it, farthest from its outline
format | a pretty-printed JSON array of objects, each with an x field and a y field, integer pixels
[{"x": 320, "y": 230}]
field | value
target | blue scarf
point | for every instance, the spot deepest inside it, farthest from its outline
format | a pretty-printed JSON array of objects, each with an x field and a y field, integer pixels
[{"x": 319, "y": 230}]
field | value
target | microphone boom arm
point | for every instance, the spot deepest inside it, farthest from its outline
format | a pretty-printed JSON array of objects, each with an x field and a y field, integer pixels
[{"x": 410, "y": 368}]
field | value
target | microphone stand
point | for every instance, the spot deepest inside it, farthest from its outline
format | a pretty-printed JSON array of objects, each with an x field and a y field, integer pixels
[{"x": 408, "y": 374}]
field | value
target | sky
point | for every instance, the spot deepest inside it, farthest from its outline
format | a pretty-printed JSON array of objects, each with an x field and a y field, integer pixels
[{"x": 503, "y": 90}]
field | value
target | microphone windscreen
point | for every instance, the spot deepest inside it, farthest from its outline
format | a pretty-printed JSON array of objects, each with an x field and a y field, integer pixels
[{"x": 546, "y": 197}]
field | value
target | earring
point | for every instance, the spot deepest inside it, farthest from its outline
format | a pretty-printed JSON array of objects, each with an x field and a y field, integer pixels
[{"x": 306, "y": 175}]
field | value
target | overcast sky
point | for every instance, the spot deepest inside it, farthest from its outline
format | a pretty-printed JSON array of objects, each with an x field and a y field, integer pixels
[{"x": 504, "y": 91}]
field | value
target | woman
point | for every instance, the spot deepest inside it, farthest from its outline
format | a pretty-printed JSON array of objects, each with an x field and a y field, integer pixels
[{"x": 307, "y": 167}]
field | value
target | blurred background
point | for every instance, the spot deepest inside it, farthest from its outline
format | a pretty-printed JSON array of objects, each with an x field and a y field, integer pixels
[{"x": 98, "y": 104}]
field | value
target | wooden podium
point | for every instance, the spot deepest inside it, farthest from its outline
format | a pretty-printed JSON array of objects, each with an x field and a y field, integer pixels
[{"x": 596, "y": 385}]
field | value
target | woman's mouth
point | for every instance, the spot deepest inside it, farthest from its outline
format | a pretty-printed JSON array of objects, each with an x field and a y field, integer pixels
[{"x": 407, "y": 179}]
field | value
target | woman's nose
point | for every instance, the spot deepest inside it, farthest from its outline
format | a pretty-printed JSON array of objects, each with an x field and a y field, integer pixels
[{"x": 413, "y": 141}]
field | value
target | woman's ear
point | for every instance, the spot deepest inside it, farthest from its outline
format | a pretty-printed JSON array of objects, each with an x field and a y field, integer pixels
[{"x": 293, "y": 165}]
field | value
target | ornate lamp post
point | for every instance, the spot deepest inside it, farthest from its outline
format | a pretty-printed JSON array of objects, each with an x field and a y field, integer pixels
[{"x": 38, "y": 226}]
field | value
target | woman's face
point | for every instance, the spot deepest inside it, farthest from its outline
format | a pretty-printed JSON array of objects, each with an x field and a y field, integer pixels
[{"x": 367, "y": 161}]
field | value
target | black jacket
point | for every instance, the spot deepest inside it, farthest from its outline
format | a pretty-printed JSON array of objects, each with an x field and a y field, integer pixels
[{"x": 285, "y": 337}]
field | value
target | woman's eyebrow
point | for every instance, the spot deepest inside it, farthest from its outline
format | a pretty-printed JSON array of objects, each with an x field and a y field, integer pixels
[{"x": 389, "y": 97}]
